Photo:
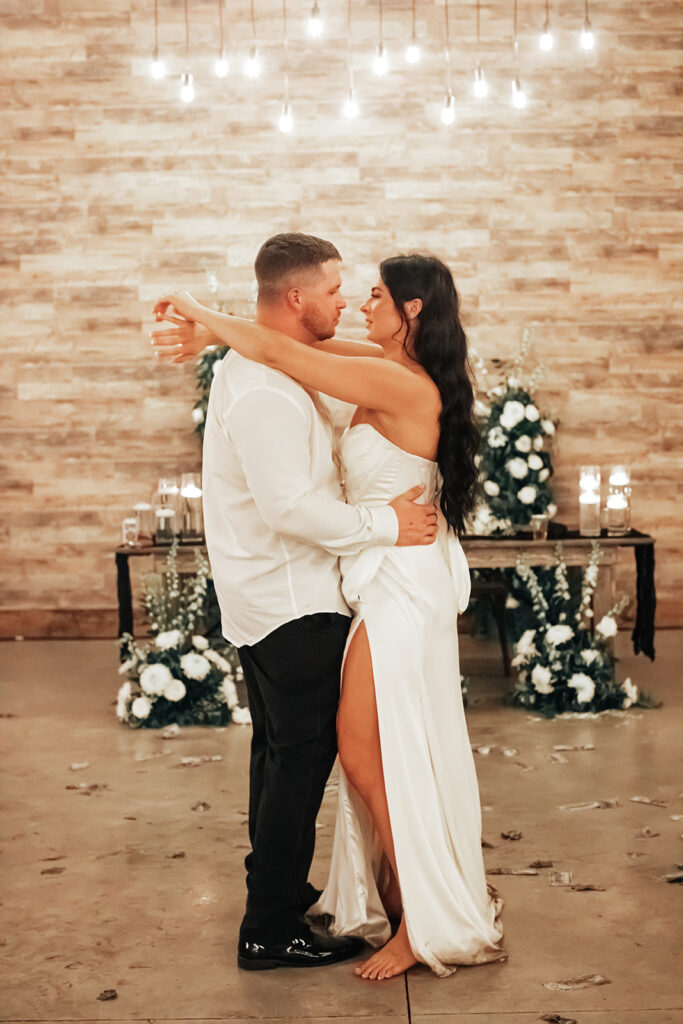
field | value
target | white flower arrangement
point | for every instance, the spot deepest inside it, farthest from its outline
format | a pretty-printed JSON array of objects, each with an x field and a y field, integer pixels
[
  {"x": 513, "y": 450},
  {"x": 562, "y": 665},
  {"x": 179, "y": 676}
]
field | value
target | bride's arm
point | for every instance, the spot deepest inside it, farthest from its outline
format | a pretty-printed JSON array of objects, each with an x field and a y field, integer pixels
[
  {"x": 188, "y": 339},
  {"x": 379, "y": 384}
]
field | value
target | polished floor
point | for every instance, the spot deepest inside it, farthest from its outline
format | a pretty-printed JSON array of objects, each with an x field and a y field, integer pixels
[{"x": 115, "y": 880}]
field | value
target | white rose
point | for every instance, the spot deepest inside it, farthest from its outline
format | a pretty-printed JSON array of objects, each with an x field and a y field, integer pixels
[
  {"x": 584, "y": 686},
  {"x": 491, "y": 488},
  {"x": 497, "y": 438},
  {"x": 525, "y": 645},
  {"x": 523, "y": 443},
  {"x": 511, "y": 602},
  {"x": 477, "y": 460},
  {"x": 481, "y": 409},
  {"x": 195, "y": 666},
  {"x": 517, "y": 468},
  {"x": 198, "y": 415},
  {"x": 538, "y": 443},
  {"x": 127, "y": 665},
  {"x": 551, "y": 510},
  {"x": 239, "y": 672},
  {"x": 171, "y": 638},
  {"x": 548, "y": 427},
  {"x": 512, "y": 414},
  {"x": 535, "y": 462},
  {"x": 200, "y": 642},
  {"x": 527, "y": 495},
  {"x": 141, "y": 707},
  {"x": 122, "y": 699},
  {"x": 630, "y": 692},
  {"x": 607, "y": 626},
  {"x": 154, "y": 679},
  {"x": 230, "y": 693},
  {"x": 590, "y": 655},
  {"x": 543, "y": 475},
  {"x": 175, "y": 690},
  {"x": 540, "y": 677},
  {"x": 241, "y": 716},
  {"x": 559, "y": 634},
  {"x": 532, "y": 413}
]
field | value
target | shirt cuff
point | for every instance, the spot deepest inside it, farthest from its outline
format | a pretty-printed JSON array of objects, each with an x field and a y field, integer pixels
[{"x": 384, "y": 525}]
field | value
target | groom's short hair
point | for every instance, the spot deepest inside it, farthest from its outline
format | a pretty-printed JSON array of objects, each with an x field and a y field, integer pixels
[{"x": 286, "y": 258}]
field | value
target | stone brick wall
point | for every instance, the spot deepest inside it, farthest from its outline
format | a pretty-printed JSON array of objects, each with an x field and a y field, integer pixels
[{"x": 563, "y": 218}]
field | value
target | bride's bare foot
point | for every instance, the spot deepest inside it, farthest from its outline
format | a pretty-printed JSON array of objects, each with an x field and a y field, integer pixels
[{"x": 393, "y": 959}]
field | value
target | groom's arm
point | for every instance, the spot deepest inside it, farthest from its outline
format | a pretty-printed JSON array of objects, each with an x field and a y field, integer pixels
[{"x": 271, "y": 435}]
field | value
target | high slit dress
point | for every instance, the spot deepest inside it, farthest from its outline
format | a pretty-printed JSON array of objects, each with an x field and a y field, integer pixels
[{"x": 409, "y": 599}]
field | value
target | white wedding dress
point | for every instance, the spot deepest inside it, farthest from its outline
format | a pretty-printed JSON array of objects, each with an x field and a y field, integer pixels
[{"x": 409, "y": 599}]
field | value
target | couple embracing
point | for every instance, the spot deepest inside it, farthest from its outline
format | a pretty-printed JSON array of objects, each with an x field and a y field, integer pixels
[{"x": 339, "y": 574}]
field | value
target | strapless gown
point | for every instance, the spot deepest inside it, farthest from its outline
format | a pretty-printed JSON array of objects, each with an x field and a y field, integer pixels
[{"x": 409, "y": 600}]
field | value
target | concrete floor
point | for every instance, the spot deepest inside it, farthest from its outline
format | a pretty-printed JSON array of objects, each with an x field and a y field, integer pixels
[{"x": 129, "y": 888}]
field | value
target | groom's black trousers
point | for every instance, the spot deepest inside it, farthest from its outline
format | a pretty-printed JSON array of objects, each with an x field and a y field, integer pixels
[{"x": 293, "y": 682}]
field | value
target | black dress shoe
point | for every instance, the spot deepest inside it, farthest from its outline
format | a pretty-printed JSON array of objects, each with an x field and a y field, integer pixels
[{"x": 305, "y": 949}]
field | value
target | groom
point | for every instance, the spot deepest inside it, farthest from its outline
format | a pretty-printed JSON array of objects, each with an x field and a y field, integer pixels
[{"x": 276, "y": 523}]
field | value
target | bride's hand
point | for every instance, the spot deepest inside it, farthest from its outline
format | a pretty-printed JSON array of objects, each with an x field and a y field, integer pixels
[
  {"x": 180, "y": 343},
  {"x": 180, "y": 303}
]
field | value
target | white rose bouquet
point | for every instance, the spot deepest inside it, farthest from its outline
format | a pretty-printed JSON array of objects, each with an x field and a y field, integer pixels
[
  {"x": 563, "y": 664},
  {"x": 514, "y": 461}
]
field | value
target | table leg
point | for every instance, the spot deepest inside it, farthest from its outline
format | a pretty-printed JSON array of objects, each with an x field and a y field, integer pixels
[{"x": 124, "y": 593}]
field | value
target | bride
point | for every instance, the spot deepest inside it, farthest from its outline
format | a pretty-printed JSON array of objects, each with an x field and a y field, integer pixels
[{"x": 407, "y": 846}]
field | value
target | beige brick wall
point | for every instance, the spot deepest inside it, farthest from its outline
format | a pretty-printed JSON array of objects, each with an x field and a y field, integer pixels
[{"x": 564, "y": 218}]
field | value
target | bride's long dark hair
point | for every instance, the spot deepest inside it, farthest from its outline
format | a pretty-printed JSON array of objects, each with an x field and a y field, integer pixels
[{"x": 439, "y": 345}]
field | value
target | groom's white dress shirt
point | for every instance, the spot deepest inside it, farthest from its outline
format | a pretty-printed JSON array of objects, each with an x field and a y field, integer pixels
[{"x": 274, "y": 512}]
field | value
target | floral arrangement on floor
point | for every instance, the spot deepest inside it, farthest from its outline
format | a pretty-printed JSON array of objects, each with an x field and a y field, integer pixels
[
  {"x": 180, "y": 676},
  {"x": 514, "y": 462},
  {"x": 563, "y": 664}
]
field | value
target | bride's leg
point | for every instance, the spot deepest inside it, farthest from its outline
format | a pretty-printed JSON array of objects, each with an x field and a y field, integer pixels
[{"x": 360, "y": 753}]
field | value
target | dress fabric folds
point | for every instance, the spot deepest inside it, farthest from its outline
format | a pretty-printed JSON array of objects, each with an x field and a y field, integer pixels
[{"x": 409, "y": 600}]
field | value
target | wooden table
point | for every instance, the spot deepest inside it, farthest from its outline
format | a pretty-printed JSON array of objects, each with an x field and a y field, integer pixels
[{"x": 481, "y": 552}]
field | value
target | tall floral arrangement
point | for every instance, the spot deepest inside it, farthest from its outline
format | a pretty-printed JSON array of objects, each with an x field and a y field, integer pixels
[
  {"x": 563, "y": 664},
  {"x": 180, "y": 676},
  {"x": 514, "y": 460},
  {"x": 205, "y": 368}
]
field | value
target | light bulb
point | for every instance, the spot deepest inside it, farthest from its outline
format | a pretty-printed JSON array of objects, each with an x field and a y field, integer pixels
[
  {"x": 380, "y": 65},
  {"x": 448, "y": 109},
  {"x": 252, "y": 65},
  {"x": 157, "y": 68},
  {"x": 187, "y": 87},
  {"x": 518, "y": 94},
  {"x": 587, "y": 37},
  {"x": 481, "y": 86},
  {"x": 315, "y": 22},
  {"x": 546, "y": 39},
  {"x": 286, "y": 122},
  {"x": 413, "y": 52},
  {"x": 350, "y": 108},
  {"x": 221, "y": 67}
]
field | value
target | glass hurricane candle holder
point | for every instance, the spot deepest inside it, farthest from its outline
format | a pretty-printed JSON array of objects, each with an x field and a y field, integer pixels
[
  {"x": 192, "y": 525},
  {"x": 165, "y": 525},
  {"x": 589, "y": 501},
  {"x": 144, "y": 513},
  {"x": 539, "y": 526}
]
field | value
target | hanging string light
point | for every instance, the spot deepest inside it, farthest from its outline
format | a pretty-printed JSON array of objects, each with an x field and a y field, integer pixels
[
  {"x": 380, "y": 64},
  {"x": 286, "y": 121},
  {"x": 221, "y": 67},
  {"x": 252, "y": 65},
  {"x": 187, "y": 78},
  {"x": 587, "y": 37},
  {"x": 481, "y": 86},
  {"x": 350, "y": 108},
  {"x": 448, "y": 108},
  {"x": 157, "y": 68},
  {"x": 413, "y": 49},
  {"x": 315, "y": 22},
  {"x": 546, "y": 38},
  {"x": 518, "y": 94}
]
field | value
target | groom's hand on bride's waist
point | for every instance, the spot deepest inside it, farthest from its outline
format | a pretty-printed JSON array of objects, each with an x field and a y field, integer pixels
[{"x": 417, "y": 524}]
